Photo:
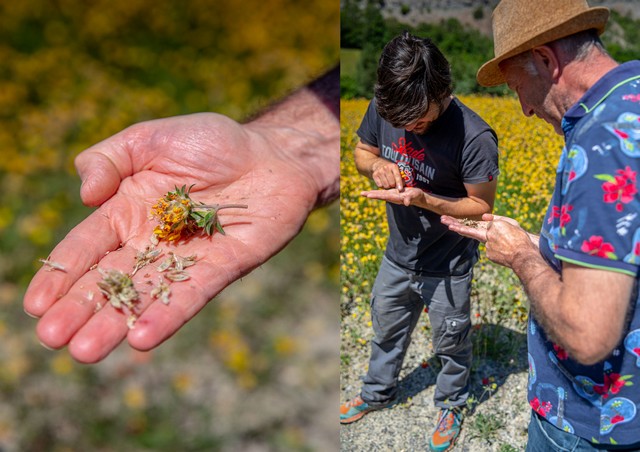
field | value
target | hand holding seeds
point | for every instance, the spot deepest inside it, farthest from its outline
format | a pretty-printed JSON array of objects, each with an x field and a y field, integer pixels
[{"x": 186, "y": 206}]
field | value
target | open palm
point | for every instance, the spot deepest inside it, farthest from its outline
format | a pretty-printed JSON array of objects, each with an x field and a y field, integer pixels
[{"x": 227, "y": 163}]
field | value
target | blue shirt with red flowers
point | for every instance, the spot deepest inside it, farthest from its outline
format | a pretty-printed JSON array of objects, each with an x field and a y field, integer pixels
[{"x": 593, "y": 220}]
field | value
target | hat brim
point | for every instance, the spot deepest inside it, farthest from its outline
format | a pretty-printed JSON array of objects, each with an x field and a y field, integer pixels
[{"x": 596, "y": 18}]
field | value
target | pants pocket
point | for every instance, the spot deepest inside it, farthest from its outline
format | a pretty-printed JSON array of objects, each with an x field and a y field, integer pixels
[{"x": 453, "y": 333}]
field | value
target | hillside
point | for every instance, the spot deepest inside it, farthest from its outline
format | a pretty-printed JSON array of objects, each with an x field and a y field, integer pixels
[{"x": 473, "y": 13}]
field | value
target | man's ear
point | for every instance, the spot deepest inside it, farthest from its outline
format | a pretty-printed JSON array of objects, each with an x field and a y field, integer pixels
[{"x": 547, "y": 62}]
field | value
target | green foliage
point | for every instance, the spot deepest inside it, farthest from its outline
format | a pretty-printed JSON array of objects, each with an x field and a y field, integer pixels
[
  {"x": 348, "y": 87},
  {"x": 351, "y": 24},
  {"x": 349, "y": 59},
  {"x": 623, "y": 41},
  {"x": 374, "y": 41},
  {"x": 466, "y": 49},
  {"x": 486, "y": 426}
]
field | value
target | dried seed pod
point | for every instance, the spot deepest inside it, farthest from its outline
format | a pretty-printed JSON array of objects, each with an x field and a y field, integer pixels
[
  {"x": 51, "y": 265},
  {"x": 183, "y": 262},
  {"x": 162, "y": 291},
  {"x": 146, "y": 257},
  {"x": 166, "y": 264},
  {"x": 177, "y": 275}
]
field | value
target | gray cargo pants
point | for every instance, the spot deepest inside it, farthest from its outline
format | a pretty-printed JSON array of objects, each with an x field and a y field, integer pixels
[{"x": 397, "y": 299}]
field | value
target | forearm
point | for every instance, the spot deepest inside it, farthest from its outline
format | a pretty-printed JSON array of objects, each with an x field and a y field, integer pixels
[
  {"x": 367, "y": 162},
  {"x": 305, "y": 128},
  {"x": 467, "y": 207},
  {"x": 565, "y": 305},
  {"x": 543, "y": 287}
]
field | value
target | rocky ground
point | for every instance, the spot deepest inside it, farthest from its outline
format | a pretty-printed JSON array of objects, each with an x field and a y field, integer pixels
[{"x": 497, "y": 420}]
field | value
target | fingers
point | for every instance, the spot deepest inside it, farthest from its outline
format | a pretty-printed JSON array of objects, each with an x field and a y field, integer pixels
[
  {"x": 75, "y": 309},
  {"x": 477, "y": 232},
  {"x": 103, "y": 166},
  {"x": 388, "y": 176},
  {"x": 161, "y": 321},
  {"x": 83, "y": 247},
  {"x": 93, "y": 331}
]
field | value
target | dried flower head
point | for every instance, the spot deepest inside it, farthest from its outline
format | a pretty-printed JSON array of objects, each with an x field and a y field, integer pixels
[
  {"x": 118, "y": 287},
  {"x": 179, "y": 216}
]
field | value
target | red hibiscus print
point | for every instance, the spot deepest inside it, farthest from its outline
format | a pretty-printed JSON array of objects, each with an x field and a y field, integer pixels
[
  {"x": 542, "y": 408},
  {"x": 631, "y": 97},
  {"x": 617, "y": 418},
  {"x": 596, "y": 246},
  {"x": 612, "y": 385},
  {"x": 619, "y": 189},
  {"x": 621, "y": 134},
  {"x": 560, "y": 352},
  {"x": 562, "y": 213}
]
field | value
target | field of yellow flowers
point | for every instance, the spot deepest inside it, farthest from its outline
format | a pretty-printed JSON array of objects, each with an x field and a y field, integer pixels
[
  {"x": 241, "y": 373},
  {"x": 529, "y": 151}
]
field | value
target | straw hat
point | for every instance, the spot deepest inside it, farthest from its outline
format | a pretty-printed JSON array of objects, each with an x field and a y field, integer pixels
[{"x": 521, "y": 25}]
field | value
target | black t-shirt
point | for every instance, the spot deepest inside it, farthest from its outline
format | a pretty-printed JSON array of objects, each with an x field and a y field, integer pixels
[{"x": 459, "y": 147}]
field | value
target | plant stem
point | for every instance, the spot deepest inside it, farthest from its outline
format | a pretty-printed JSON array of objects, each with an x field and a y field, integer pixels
[{"x": 217, "y": 207}]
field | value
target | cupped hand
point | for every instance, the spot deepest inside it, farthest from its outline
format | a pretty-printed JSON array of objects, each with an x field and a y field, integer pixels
[
  {"x": 227, "y": 163},
  {"x": 406, "y": 197},
  {"x": 503, "y": 237}
]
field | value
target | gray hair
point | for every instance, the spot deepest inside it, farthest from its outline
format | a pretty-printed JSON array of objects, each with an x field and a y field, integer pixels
[{"x": 575, "y": 47}]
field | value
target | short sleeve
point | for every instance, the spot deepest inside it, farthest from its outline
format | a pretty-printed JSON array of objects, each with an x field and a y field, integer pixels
[
  {"x": 596, "y": 221},
  {"x": 480, "y": 159},
  {"x": 368, "y": 130}
]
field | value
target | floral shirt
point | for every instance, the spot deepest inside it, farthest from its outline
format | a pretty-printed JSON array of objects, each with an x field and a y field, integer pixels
[{"x": 594, "y": 221}]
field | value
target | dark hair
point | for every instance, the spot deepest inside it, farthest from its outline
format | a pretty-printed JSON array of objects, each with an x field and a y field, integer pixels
[{"x": 412, "y": 73}]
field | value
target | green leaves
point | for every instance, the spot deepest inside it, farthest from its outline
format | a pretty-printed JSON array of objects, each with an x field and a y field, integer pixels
[
  {"x": 606, "y": 178},
  {"x": 208, "y": 220}
]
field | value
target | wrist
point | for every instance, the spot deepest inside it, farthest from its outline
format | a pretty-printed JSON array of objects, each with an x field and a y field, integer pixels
[
  {"x": 304, "y": 131},
  {"x": 524, "y": 258}
]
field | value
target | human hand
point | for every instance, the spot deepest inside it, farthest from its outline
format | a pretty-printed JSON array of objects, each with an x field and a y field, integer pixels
[
  {"x": 407, "y": 197},
  {"x": 386, "y": 174},
  {"x": 503, "y": 237},
  {"x": 125, "y": 175}
]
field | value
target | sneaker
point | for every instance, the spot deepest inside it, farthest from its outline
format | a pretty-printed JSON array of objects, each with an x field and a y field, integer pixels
[
  {"x": 356, "y": 408},
  {"x": 447, "y": 430}
]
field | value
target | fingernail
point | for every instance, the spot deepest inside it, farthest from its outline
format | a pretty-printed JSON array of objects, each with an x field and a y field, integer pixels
[
  {"x": 33, "y": 316},
  {"x": 47, "y": 347}
]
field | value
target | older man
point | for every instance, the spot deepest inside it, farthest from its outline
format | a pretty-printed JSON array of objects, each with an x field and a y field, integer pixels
[{"x": 581, "y": 274}]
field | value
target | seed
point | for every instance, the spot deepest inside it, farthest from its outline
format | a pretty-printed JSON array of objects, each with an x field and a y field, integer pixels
[{"x": 51, "y": 265}]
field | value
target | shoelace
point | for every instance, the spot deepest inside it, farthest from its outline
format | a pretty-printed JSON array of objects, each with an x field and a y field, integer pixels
[
  {"x": 354, "y": 402},
  {"x": 446, "y": 421}
]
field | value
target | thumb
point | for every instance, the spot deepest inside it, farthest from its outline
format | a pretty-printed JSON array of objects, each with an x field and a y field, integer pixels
[{"x": 101, "y": 169}]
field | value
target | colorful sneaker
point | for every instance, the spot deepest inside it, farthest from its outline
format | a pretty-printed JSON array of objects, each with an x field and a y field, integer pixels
[
  {"x": 447, "y": 430},
  {"x": 356, "y": 408}
]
